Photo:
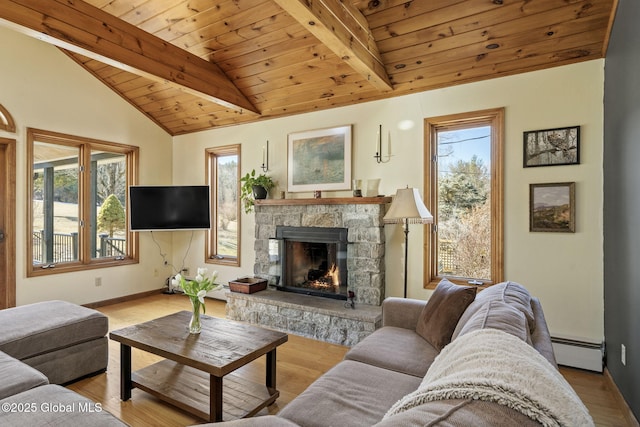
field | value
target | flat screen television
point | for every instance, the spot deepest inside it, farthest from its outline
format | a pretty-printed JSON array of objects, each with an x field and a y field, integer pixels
[{"x": 169, "y": 208}]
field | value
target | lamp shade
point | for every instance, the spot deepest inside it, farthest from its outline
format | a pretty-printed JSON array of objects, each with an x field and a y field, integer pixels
[{"x": 407, "y": 205}]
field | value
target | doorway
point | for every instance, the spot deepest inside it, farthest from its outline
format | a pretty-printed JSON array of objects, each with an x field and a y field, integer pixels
[{"x": 7, "y": 223}]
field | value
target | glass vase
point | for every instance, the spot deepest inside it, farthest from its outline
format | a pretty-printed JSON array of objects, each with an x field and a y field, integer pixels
[{"x": 194, "y": 324}]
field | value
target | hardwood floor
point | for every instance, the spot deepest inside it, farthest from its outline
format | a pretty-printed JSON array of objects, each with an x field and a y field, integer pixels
[{"x": 300, "y": 361}]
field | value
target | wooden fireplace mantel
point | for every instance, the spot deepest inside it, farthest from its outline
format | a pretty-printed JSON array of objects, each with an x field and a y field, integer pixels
[{"x": 325, "y": 201}]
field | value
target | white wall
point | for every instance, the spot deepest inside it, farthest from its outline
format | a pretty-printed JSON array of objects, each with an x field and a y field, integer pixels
[
  {"x": 564, "y": 270},
  {"x": 42, "y": 88}
]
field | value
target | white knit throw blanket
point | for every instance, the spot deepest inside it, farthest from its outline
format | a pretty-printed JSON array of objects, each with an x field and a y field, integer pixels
[{"x": 494, "y": 366}]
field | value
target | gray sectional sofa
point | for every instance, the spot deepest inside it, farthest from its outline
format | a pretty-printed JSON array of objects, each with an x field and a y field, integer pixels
[
  {"x": 458, "y": 359},
  {"x": 43, "y": 345}
]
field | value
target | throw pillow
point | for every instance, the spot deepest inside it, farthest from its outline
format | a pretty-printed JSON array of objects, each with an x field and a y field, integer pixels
[{"x": 442, "y": 312}]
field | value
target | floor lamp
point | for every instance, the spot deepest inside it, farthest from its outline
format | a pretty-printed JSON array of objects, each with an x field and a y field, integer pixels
[{"x": 407, "y": 207}]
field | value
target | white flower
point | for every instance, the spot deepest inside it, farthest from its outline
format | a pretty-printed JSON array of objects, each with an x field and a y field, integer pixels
[
  {"x": 201, "y": 295},
  {"x": 201, "y": 274}
]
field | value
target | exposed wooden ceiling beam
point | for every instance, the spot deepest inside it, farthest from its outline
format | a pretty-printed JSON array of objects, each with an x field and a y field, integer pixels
[
  {"x": 82, "y": 28},
  {"x": 344, "y": 30}
]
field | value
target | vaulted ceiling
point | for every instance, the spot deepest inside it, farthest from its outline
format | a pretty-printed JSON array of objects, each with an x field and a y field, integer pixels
[{"x": 191, "y": 65}]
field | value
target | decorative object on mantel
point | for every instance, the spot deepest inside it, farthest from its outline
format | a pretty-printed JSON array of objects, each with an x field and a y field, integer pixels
[
  {"x": 319, "y": 160},
  {"x": 373, "y": 186},
  {"x": 378, "y": 155},
  {"x": 407, "y": 207},
  {"x": 552, "y": 207},
  {"x": 552, "y": 147},
  {"x": 357, "y": 188},
  {"x": 254, "y": 188},
  {"x": 196, "y": 290},
  {"x": 265, "y": 158}
]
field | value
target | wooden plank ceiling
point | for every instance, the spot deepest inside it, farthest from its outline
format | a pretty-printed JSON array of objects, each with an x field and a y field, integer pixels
[{"x": 197, "y": 64}]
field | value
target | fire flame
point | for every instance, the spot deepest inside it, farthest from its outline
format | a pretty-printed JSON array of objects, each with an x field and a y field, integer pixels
[
  {"x": 334, "y": 274},
  {"x": 330, "y": 280}
]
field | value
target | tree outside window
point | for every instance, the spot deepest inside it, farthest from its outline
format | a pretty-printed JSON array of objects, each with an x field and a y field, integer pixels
[{"x": 223, "y": 175}]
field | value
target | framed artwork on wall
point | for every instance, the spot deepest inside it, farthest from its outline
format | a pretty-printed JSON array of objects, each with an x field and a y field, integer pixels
[
  {"x": 552, "y": 147},
  {"x": 319, "y": 160},
  {"x": 552, "y": 207}
]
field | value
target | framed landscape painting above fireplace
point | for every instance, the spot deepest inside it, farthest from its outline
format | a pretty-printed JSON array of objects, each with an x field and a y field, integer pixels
[{"x": 319, "y": 160}]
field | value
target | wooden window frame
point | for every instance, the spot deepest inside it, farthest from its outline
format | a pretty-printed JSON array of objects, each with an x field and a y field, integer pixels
[
  {"x": 495, "y": 119},
  {"x": 211, "y": 241},
  {"x": 86, "y": 146},
  {"x": 8, "y": 213}
]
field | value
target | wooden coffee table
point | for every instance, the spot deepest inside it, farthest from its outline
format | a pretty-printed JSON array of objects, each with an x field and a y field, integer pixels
[{"x": 191, "y": 376}]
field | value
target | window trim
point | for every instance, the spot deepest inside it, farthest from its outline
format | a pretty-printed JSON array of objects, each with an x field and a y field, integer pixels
[
  {"x": 85, "y": 146},
  {"x": 494, "y": 118},
  {"x": 211, "y": 241}
]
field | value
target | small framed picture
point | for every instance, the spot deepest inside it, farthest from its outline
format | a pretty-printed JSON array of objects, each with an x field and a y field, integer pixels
[
  {"x": 319, "y": 160},
  {"x": 552, "y": 147},
  {"x": 552, "y": 207}
]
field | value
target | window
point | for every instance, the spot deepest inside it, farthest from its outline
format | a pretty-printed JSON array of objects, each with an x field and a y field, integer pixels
[
  {"x": 463, "y": 178},
  {"x": 77, "y": 203},
  {"x": 223, "y": 174}
]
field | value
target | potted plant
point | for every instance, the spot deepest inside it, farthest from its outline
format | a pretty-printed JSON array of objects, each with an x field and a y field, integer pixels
[{"x": 254, "y": 187}]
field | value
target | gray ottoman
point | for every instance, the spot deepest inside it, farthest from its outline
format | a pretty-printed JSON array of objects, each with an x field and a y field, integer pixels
[
  {"x": 62, "y": 340},
  {"x": 53, "y": 406}
]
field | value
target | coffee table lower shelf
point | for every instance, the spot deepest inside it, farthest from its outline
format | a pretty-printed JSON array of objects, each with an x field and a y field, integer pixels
[{"x": 189, "y": 389}]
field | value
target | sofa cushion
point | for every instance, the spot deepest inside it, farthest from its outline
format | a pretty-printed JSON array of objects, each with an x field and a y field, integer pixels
[
  {"x": 17, "y": 376},
  {"x": 351, "y": 393},
  {"x": 511, "y": 293},
  {"x": 55, "y": 406},
  {"x": 499, "y": 315},
  {"x": 398, "y": 349},
  {"x": 442, "y": 312}
]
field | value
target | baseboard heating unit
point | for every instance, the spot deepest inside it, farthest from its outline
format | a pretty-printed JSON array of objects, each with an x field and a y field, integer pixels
[{"x": 579, "y": 354}]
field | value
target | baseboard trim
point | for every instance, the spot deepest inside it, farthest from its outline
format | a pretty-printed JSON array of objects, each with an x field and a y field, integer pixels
[
  {"x": 579, "y": 354},
  {"x": 125, "y": 298},
  {"x": 622, "y": 404}
]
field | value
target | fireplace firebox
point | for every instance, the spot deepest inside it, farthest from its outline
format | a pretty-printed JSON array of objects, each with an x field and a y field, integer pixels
[{"x": 313, "y": 260}]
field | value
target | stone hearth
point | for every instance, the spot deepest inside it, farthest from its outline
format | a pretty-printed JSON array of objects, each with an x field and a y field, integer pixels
[{"x": 315, "y": 317}]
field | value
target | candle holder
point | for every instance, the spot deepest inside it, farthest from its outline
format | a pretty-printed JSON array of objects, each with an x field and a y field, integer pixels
[
  {"x": 265, "y": 158},
  {"x": 378, "y": 156}
]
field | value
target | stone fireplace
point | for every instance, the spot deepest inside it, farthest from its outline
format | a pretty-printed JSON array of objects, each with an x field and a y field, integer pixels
[
  {"x": 361, "y": 217},
  {"x": 322, "y": 223}
]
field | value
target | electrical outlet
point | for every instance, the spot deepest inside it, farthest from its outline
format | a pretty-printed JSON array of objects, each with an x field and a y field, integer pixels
[
  {"x": 98, "y": 281},
  {"x": 155, "y": 272},
  {"x": 623, "y": 354}
]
